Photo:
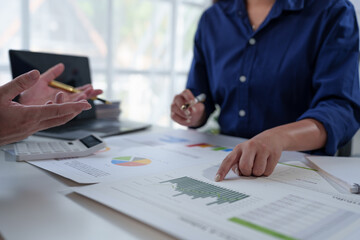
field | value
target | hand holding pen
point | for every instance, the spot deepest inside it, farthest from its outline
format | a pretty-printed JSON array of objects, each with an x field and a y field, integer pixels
[
  {"x": 188, "y": 110},
  {"x": 199, "y": 98}
]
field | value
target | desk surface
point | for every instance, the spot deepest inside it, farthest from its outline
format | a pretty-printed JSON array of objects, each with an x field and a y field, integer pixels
[{"x": 36, "y": 204}]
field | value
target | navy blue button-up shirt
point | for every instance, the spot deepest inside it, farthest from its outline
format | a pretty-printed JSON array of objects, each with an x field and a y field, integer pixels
[{"x": 302, "y": 62}]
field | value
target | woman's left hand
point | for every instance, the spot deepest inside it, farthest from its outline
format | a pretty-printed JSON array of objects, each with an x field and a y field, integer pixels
[{"x": 255, "y": 157}]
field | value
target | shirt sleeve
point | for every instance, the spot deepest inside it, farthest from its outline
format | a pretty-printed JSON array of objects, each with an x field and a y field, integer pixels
[
  {"x": 198, "y": 81},
  {"x": 336, "y": 101}
]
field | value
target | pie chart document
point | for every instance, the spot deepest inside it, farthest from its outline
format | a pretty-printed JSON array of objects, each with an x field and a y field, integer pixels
[
  {"x": 141, "y": 155},
  {"x": 129, "y": 161}
]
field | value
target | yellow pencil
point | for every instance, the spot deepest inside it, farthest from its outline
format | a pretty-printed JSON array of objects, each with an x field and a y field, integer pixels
[{"x": 71, "y": 89}]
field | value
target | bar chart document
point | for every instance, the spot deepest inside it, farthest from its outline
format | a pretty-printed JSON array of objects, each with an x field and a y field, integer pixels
[{"x": 237, "y": 208}]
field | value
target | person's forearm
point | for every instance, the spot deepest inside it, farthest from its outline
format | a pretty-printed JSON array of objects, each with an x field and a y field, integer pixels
[{"x": 304, "y": 135}]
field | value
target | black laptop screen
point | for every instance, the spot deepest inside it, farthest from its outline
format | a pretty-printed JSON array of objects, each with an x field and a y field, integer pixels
[{"x": 76, "y": 73}]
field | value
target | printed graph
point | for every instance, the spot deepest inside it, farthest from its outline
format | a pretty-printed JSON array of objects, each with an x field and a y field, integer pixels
[
  {"x": 129, "y": 161},
  {"x": 210, "y": 146},
  {"x": 198, "y": 189},
  {"x": 172, "y": 139}
]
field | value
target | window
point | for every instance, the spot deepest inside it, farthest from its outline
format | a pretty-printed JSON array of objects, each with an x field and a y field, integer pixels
[
  {"x": 140, "y": 50},
  {"x": 357, "y": 8}
]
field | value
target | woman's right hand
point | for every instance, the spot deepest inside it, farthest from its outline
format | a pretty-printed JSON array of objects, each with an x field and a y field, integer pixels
[{"x": 193, "y": 116}]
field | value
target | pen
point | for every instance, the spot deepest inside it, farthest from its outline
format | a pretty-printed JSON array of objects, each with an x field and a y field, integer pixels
[
  {"x": 199, "y": 98},
  {"x": 71, "y": 89}
]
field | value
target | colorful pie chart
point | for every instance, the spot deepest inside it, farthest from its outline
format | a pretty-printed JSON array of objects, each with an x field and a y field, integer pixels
[{"x": 129, "y": 161}]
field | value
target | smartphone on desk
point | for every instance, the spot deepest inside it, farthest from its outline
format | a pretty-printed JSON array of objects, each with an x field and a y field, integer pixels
[{"x": 27, "y": 151}]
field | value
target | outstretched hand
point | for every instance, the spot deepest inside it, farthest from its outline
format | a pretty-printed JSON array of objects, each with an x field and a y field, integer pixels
[
  {"x": 41, "y": 92},
  {"x": 18, "y": 121}
]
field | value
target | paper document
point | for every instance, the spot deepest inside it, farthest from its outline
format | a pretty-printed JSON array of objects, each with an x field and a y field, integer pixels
[
  {"x": 141, "y": 154},
  {"x": 237, "y": 208},
  {"x": 116, "y": 164},
  {"x": 297, "y": 174},
  {"x": 345, "y": 171}
]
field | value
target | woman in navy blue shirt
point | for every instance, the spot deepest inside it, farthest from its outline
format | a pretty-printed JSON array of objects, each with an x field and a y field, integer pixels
[{"x": 284, "y": 73}]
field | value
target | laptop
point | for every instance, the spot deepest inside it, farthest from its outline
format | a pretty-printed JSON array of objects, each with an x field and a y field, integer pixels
[{"x": 77, "y": 73}]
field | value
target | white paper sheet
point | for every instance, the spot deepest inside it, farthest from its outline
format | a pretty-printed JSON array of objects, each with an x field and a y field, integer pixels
[
  {"x": 186, "y": 204},
  {"x": 155, "y": 152},
  {"x": 346, "y": 169}
]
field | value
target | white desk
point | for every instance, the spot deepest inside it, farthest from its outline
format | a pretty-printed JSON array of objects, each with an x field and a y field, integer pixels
[{"x": 35, "y": 204}]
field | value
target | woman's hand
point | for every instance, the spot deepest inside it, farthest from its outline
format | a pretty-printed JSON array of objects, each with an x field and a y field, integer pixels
[
  {"x": 259, "y": 155},
  {"x": 191, "y": 117}
]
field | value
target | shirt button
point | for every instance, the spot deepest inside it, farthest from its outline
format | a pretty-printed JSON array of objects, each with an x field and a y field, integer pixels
[
  {"x": 252, "y": 41},
  {"x": 242, "y": 79},
  {"x": 242, "y": 113},
  {"x": 239, "y": 13}
]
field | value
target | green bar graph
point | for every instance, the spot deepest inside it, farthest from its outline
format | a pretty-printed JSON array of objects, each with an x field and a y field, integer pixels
[
  {"x": 198, "y": 189},
  {"x": 219, "y": 148},
  {"x": 261, "y": 229}
]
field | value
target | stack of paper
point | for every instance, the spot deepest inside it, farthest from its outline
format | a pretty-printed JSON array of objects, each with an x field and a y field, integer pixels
[{"x": 108, "y": 111}]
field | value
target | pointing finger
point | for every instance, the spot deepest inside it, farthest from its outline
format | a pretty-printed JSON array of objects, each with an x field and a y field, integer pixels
[{"x": 226, "y": 165}]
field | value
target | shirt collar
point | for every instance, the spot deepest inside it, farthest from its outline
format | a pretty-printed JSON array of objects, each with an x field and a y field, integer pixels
[
  {"x": 293, "y": 5},
  {"x": 237, "y": 6}
]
